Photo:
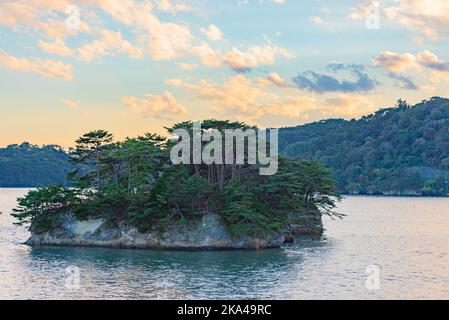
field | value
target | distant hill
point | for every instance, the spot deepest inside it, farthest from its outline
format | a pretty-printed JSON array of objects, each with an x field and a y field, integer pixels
[
  {"x": 402, "y": 150},
  {"x": 27, "y": 165},
  {"x": 399, "y": 151}
]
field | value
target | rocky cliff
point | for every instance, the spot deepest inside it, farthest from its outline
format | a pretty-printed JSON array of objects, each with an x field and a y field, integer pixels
[{"x": 207, "y": 234}]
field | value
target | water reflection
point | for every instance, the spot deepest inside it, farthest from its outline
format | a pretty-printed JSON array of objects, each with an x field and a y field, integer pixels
[
  {"x": 406, "y": 238},
  {"x": 172, "y": 274}
]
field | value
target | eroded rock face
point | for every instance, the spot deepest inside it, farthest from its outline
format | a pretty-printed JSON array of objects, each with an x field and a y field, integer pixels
[{"x": 208, "y": 234}]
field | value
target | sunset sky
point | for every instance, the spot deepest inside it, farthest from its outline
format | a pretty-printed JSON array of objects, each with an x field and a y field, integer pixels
[{"x": 133, "y": 66}]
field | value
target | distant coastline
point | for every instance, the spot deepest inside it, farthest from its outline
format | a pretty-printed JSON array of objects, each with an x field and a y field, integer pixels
[
  {"x": 390, "y": 195},
  {"x": 398, "y": 151}
]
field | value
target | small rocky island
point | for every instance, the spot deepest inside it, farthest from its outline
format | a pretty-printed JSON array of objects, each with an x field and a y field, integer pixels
[
  {"x": 129, "y": 194},
  {"x": 207, "y": 234}
]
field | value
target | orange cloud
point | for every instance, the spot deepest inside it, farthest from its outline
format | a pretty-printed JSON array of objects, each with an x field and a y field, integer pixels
[
  {"x": 172, "y": 7},
  {"x": 109, "y": 43},
  {"x": 46, "y": 68},
  {"x": 70, "y": 103},
  {"x": 157, "y": 106},
  {"x": 276, "y": 79},
  {"x": 187, "y": 66},
  {"x": 57, "y": 47},
  {"x": 254, "y": 56},
  {"x": 395, "y": 62},
  {"x": 243, "y": 99},
  {"x": 425, "y": 16}
]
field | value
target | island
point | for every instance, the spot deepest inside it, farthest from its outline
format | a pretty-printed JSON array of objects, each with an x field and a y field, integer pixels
[{"x": 130, "y": 194}]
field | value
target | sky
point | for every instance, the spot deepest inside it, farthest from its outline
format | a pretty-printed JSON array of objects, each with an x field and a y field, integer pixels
[{"x": 135, "y": 66}]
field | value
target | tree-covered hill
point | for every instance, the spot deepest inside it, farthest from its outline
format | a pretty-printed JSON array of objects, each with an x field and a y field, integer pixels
[
  {"x": 135, "y": 181},
  {"x": 27, "y": 165},
  {"x": 399, "y": 150}
]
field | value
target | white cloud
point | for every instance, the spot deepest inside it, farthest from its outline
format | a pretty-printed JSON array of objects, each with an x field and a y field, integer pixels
[
  {"x": 70, "y": 103},
  {"x": 212, "y": 32},
  {"x": 317, "y": 20}
]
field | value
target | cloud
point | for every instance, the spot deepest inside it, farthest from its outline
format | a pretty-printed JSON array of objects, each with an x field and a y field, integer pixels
[
  {"x": 403, "y": 82},
  {"x": 57, "y": 47},
  {"x": 243, "y": 99},
  {"x": 425, "y": 16},
  {"x": 244, "y": 61},
  {"x": 157, "y": 106},
  {"x": 208, "y": 56},
  {"x": 321, "y": 83},
  {"x": 34, "y": 16},
  {"x": 46, "y": 20},
  {"x": 166, "y": 40},
  {"x": 399, "y": 62},
  {"x": 423, "y": 63},
  {"x": 70, "y": 103},
  {"x": 46, "y": 68},
  {"x": 239, "y": 95},
  {"x": 276, "y": 79},
  {"x": 317, "y": 20},
  {"x": 109, "y": 42},
  {"x": 212, "y": 32},
  {"x": 172, "y": 7},
  {"x": 395, "y": 62},
  {"x": 430, "y": 60},
  {"x": 347, "y": 106},
  {"x": 187, "y": 66}
]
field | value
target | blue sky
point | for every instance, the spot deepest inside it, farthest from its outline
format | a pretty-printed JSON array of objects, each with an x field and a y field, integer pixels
[{"x": 134, "y": 66}]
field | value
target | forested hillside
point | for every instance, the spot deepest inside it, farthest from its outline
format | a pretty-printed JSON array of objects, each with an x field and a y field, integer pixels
[
  {"x": 27, "y": 165},
  {"x": 399, "y": 150}
]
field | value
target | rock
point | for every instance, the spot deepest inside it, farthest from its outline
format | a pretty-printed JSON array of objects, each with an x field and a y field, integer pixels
[{"x": 207, "y": 234}]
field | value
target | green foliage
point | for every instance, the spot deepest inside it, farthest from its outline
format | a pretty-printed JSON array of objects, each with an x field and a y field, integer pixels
[
  {"x": 43, "y": 206},
  {"x": 27, "y": 165},
  {"x": 88, "y": 153},
  {"x": 400, "y": 150},
  {"x": 134, "y": 180}
]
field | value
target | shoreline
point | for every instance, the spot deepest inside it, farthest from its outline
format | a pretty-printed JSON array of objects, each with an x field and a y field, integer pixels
[{"x": 343, "y": 194}]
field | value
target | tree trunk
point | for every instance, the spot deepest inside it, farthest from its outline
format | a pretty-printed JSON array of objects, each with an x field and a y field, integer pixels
[{"x": 98, "y": 168}]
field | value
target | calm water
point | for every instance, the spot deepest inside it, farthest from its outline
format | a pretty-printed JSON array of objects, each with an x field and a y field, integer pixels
[{"x": 407, "y": 238}]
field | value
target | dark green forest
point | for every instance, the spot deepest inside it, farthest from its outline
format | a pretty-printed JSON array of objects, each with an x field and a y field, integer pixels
[
  {"x": 402, "y": 150},
  {"x": 399, "y": 150},
  {"x": 28, "y": 165},
  {"x": 135, "y": 181}
]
